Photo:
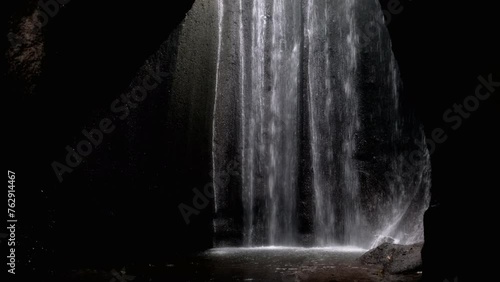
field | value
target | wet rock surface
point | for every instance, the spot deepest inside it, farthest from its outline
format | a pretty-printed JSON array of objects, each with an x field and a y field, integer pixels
[{"x": 395, "y": 259}]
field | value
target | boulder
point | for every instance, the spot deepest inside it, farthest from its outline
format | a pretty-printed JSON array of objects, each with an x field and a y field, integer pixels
[{"x": 395, "y": 259}]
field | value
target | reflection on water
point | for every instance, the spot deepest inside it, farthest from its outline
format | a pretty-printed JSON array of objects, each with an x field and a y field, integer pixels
[
  {"x": 256, "y": 264},
  {"x": 277, "y": 263}
]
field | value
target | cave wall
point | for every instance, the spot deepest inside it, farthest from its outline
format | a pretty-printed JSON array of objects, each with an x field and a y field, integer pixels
[
  {"x": 119, "y": 205},
  {"x": 442, "y": 50}
]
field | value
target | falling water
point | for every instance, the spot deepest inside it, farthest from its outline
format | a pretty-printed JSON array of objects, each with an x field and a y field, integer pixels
[
  {"x": 269, "y": 124},
  {"x": 318, "y": 111},
  {"x": 333, "y": 119},
  {"x": 220, "y": 15}
]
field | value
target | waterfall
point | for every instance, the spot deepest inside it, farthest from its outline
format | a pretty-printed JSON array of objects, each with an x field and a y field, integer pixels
[
  {"x": 333, "y": 119},
  {"x": 220, "y": 15},
  {"x": 307, "y": 102},
  {"x": 269, "y": 123}
]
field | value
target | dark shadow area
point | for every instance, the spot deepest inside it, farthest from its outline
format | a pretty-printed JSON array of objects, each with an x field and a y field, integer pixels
[
  {"x": 120, "y": 205},
  {"x": 442, "y": 48}
]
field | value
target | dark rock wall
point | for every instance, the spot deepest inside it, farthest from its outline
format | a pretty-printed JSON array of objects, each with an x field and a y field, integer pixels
[
  {"x": 120, "y": 204},
  {"x": 442, "y": 49}
]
